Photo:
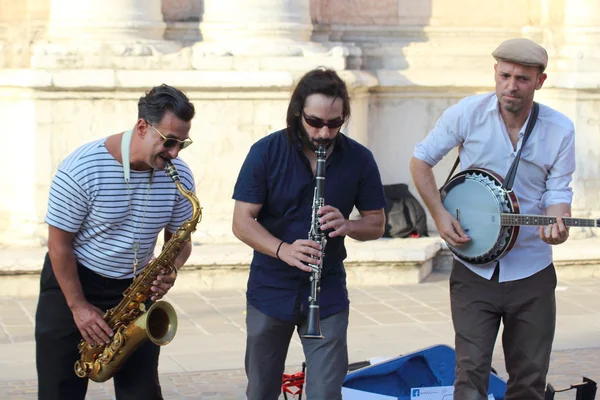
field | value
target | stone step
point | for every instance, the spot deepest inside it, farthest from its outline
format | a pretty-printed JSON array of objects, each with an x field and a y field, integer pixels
[{"x": 380, "y": 262}]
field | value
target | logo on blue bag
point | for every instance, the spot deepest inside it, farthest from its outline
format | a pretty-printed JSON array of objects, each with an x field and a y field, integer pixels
[{"x": 416, "y": 393}]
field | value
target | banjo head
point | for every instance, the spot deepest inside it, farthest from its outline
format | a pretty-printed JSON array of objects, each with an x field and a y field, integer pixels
[{"x": 476, "y": 199}]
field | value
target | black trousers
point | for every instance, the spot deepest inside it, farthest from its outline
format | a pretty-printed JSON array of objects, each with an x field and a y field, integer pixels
[
  {"x": 57, "y": 337},
  {"x": 526, "y": 307}
]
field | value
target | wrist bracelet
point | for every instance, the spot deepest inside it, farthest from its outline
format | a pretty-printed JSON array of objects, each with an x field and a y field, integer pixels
[{"x": 278, "y": 248}]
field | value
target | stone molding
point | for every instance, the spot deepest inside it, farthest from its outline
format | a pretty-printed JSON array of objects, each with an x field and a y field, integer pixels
[{"x": 86, "y": 80}]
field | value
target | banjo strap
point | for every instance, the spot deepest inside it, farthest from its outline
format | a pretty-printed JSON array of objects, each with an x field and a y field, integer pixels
[
  {"x": 452, "y": 170},
  {"x": 512, "y": 172}
]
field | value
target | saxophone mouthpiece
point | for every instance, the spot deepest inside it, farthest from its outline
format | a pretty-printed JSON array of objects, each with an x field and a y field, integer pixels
[{"x": 171, "y": 171}]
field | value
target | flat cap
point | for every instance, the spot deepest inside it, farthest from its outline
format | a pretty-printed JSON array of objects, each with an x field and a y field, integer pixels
[{"x": 522, "y": 51}]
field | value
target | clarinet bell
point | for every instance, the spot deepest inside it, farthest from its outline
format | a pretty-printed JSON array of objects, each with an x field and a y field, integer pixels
[{"x": 313, "y": 331}]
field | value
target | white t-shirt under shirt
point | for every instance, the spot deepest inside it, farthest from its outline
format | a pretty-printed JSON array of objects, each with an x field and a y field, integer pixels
[{"x": 89, "y": 196}]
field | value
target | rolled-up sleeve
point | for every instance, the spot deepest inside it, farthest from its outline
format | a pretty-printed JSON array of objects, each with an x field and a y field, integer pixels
[
  {"x": 444, "y": 137},
  {"x": 558, "y": 189}
]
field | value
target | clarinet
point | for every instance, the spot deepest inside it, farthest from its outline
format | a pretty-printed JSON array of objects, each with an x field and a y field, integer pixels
[{"x": 313, "y": 331}]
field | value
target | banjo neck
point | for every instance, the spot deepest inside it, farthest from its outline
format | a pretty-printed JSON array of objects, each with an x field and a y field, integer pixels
[{"x": 508, "y": 219}]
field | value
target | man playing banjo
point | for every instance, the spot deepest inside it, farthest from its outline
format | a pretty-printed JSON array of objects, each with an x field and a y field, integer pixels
[{"x": 519, "y": 287}]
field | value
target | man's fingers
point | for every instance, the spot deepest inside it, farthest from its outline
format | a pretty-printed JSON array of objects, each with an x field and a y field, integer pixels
[
  {"x": 450, "y": 241},
  {"x": 87, "y": 337},
  {"x": 335, "y": 224},
  {"x": 158, "y": 290},
  {"x": 330, "y": 217},
  {"x": 307, "y": 259},
  {"x": 307, "y": 243},
  {"x": 303, "y": 267},
  {"x": 100, "y": 333},
  {"x": 310, "y": 251},
  {"x": 104, "y": 326},
  {"x": 459, "y": 230},
  {"x": 451, "y": 236},
  {"x": 560, "y": 223},
  {"x": 326, "y": 209},
  {"x": 555, "y": 232}
]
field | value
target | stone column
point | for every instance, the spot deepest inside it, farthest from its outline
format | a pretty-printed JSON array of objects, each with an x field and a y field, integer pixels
[
  {"x": 106, "y": 20},
  {"x": 581, "y": 36},
  {"x": 261, "y": 29},
  {"x": 90, "y": 33},
  {"x": 245, "y": 27},
  {"x": 578, "y": 72}
]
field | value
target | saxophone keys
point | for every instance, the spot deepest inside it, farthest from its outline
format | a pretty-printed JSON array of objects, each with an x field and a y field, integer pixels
[{"x": 140, "y": 297}]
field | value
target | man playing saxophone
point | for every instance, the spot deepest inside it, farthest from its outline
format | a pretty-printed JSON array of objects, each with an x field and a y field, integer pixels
[
  {"x": 108, "y": 202},
  {"x": 275, "y": 194}
]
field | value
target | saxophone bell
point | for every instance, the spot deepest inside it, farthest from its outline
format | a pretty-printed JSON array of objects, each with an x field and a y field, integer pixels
[{"x": 158, "y": 325}]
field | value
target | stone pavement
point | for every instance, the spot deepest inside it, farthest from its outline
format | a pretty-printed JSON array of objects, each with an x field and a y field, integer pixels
[
  {"x": 205, "y": 359},
  {"x": 567, "y": 367}
]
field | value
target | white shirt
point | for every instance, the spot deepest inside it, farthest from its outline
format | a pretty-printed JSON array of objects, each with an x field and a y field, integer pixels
[
  {"x": 89, "y": 197},
  {"x": 543, "y": 176}
]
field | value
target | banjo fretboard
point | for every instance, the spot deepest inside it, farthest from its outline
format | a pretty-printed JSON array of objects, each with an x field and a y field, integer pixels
[{"x": 537, "y": 220}]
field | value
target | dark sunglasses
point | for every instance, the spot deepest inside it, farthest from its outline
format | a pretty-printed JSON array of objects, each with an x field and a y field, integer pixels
[
  {"x": 319, "y": 123},
  {"x": 169, "y": 143}
]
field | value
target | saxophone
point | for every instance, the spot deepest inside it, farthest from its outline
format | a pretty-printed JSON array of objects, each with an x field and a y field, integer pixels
[
  {"x": 313, "y": 330},
  {"x": 131, "y": 323}
]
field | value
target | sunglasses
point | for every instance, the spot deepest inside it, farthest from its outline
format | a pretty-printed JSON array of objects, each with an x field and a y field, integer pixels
[
  {"x": 319, "y": 123},
  {"x": 169, "y": 143}
]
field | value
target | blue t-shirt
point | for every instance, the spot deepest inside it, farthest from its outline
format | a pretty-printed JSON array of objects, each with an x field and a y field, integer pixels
[{"x": 277, "y": 174}]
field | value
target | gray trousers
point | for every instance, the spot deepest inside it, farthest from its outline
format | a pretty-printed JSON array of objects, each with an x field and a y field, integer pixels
[
  {"x": 526, "y": 307},
  {"x": 267, "y": 344}
]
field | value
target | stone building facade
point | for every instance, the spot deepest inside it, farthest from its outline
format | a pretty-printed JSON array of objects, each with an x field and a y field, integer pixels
[{"x": 72, "y": 71}]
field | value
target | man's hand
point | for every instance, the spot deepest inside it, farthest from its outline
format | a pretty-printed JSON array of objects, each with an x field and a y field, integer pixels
[
  {"x": 300, "y": 252},
  {"x": 162, "y": 284},
  {"x": 332, "y": 218},
  {"x": 555, "y": 233},
  {"x": 91, "y": 324},
  {"x": 450, "y": 229}
]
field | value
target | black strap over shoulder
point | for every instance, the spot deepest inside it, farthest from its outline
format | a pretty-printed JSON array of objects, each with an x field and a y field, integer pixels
[
  {"x": 453, "y": 169},
  {"x": 512, "y": 172}
]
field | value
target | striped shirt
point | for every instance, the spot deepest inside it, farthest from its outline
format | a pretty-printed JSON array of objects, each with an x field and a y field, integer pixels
[{"x": 89, "y": 197}]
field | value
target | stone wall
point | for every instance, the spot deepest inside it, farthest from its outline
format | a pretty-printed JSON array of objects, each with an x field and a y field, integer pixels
[
  {"x": 21, "y": 24},
  {"x": 63, "y": 83}
]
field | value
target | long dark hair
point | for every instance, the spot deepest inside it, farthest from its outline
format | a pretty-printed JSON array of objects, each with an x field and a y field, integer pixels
[
  {"x": 322, "y": 81},
  {"x": 160, "y": 99}
]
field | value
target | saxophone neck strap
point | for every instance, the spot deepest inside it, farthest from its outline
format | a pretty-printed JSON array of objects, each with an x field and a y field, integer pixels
[{"x": 125, "y": 149}]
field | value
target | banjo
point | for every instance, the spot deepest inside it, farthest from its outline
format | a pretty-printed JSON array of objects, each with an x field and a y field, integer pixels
[
  {"x": 488, "y": 210},
  {"x": 490, "y": 215}
]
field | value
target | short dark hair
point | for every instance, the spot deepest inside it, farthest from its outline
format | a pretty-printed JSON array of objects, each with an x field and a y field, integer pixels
[
  {"x": 160, "y": 99},
  {"x": 322, "y": 81}
]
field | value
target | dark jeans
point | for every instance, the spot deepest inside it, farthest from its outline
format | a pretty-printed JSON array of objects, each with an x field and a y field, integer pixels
[
  {"x": 526, "y": 307},
  {"x": 268, "y": 340},
  {"x": 57, "y": 337}
]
